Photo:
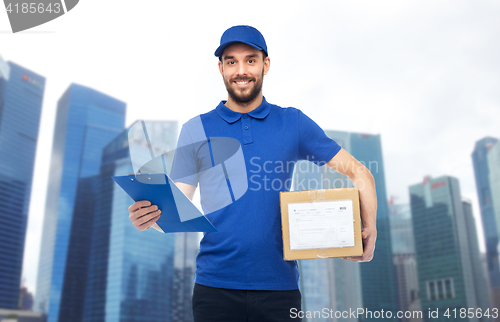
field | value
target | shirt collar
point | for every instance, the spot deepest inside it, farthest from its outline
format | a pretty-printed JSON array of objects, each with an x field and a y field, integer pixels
[{"x": 231, "y": 116}]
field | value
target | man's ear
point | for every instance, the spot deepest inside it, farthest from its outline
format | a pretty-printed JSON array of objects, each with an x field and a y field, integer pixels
[
  {"x": 221, "y": 68},
  {"x": 267, "y": 64}
]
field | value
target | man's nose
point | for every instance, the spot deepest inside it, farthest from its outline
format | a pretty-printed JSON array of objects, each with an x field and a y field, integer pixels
[{"x": 242, "y": 70}]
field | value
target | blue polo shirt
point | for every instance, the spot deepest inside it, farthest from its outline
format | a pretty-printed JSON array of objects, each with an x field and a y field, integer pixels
[{"x": 247, "y": 250}]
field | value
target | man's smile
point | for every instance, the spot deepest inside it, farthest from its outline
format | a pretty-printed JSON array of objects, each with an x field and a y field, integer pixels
[{"x": 242, "y": 83}]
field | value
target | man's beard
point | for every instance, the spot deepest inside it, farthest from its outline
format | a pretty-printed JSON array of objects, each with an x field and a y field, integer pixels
[{"x": 241, "y": 98}]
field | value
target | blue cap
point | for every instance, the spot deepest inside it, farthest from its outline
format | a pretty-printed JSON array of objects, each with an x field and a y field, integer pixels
[{"x": 244, "y": 34}]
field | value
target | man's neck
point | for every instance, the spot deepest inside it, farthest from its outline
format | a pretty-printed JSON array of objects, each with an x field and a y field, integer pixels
[{"x": 244, "y": 107}]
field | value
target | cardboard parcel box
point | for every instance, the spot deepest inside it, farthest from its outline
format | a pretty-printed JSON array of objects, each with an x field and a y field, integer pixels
[{"x": 321, "y": 223}]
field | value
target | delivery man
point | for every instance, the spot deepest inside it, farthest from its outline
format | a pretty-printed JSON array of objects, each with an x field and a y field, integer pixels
[{"x": 241, "y": 274}]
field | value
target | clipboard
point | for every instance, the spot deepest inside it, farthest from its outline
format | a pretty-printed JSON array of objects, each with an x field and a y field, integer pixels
[{"x": 174, "y": 205}]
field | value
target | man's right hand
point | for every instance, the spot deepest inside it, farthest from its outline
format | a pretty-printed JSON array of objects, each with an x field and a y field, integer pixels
[{"x": 143, "y": 215}]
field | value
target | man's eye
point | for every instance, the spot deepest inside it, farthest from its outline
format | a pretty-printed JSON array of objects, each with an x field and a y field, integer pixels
[
  {"x": 230, "y": 62},
  {"x": 251, "y": 61}
]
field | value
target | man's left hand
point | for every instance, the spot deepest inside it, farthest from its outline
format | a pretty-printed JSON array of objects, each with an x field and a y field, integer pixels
[{"x": 369, "y": 236}]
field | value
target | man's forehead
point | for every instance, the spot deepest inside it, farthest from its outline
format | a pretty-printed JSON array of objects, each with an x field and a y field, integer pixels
[{"x": 240, "y": 49}]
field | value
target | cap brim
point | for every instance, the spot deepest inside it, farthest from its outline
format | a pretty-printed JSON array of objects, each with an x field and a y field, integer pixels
[{"x": 221, "y": 48}]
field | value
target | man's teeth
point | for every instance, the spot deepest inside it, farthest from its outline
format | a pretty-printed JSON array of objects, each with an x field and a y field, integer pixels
[{"x": 242, "y": 83}]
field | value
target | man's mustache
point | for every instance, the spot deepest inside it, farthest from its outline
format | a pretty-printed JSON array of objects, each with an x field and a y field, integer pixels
[{"x": 243, "y": 79}]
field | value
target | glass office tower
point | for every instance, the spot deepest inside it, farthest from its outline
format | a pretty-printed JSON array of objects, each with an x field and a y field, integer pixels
[
  {"x": 494, "y": 179},
  {"x": 378, "y": 281},
  {"x": 494, "y": 176},
  {"x": 478, "y": 272},
  {"x": 442, "y": 247},
  {"x": 137, "y": 275},
  {"x": 491, "y": 222},
  {"x": 86, "y": 122},
  {"x": 328, "y": 283},
  {"x": 348, "y": 285},
  {"x": 21, "y": 96},
  {"x": 403, "y": 247},
  {"x": 401, "y": 229},
  {"x": 317, "y": 283}
]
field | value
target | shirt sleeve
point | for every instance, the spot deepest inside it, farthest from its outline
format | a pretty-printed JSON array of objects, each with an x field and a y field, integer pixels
[
  {"x": 184, "y": 165},
  {"x": 314, "y": 144}
]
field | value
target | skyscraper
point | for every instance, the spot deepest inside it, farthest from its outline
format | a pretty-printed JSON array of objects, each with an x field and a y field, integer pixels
[
  {"x": 21, "y": 95},
  {"x": 348, "y": 284},
  {"x": 86, "y": 122},
  {"x": 377, "y": 277},
  {"x": 494, "y": 178},
  {"x": 325, "y": 283},
  {"x": 137, "y": 275},
  {"x": 442, "y": 247},
  {"x": 478, "y": 272},
  {"x": 403, "y": 247},
  {"x": 317, "y": 286},
  {"x": 402, "y": 238},
  {"x": 491, "y": 224}
]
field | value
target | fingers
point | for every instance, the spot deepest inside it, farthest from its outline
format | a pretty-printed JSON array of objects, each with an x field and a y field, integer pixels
[
  {"x": 138, "y": 204},
  {"x": 368, "y": 249},
  {"x": 359, "y": 259},
  {"x": 149, "y": 220},
  {"x": 349, "y": 259},
  {"x": 147, "y": 217},
  {"x": 143, "y": 215},
  {"x": 142, "y": 212}
]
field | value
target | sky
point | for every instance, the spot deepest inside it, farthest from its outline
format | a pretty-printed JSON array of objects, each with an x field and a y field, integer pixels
[{"x": 422, "y": 74}]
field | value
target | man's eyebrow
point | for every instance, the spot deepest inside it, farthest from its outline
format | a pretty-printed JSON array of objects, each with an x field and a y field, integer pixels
[{"x": 247, "y": 56}]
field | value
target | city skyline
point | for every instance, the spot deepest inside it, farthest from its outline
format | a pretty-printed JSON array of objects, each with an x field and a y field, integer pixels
[
  {"x": 339, "y": 136},
  {"x": 388, "y": 62},
  {"x": 481, "y": 240}
]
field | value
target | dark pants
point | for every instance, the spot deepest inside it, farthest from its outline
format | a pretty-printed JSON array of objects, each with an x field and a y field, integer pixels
[{"x": 220, "y": 305}]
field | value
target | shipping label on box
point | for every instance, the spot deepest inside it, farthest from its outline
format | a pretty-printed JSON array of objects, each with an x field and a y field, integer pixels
[{"x": 321, "y": 223}]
